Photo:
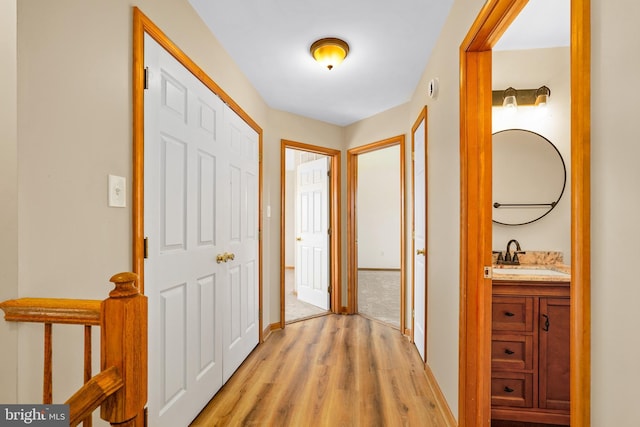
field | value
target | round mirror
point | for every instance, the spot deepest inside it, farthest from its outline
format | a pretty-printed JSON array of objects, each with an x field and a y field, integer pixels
[{"x": 529, "y": 176}]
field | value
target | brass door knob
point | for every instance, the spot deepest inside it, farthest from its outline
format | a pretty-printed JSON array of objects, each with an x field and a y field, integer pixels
[
  {"x": 421, "y": 252},
  {"x": 299, "y": 239},
  {"x": 220, "y": 258},
  {"x": 228, "y": 256}
]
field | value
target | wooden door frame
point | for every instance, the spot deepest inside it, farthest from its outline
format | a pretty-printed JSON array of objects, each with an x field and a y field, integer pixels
[
  {"x": 475, "y": 205},
  {"x": 421, "y": 117},
  {"x": 143, "y": 25},
  {"x": 352, "y": 187},
  {"x": 334, "y": 222}
]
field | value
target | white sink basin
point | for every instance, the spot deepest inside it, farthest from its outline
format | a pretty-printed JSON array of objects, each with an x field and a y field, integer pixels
[{"x": 529, "y": 272}]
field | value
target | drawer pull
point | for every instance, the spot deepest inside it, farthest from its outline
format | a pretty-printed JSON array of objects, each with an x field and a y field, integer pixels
[
  {"x": 509, "y": 314},
  {"x": 506, "y": 350},
  {"x": 508, "y": 389}
]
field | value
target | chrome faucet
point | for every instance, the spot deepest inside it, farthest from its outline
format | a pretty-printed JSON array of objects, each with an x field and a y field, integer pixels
[{"x": 507, "y": 254}]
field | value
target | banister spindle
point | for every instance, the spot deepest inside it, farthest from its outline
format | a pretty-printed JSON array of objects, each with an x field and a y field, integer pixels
[
  {"x": 87, "y": 422},
  {"x": 47, "y": 387}
]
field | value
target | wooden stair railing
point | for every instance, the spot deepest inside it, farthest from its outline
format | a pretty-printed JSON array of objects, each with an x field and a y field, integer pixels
[
  {"x": 50, "y": 311},
  {"x": 120, "y": 389}
]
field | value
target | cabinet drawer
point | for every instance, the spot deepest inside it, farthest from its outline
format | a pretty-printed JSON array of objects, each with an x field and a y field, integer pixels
[
  {"x": 512, "y": 389},
  {"x": 512, "y": 314},
  {"x": 512, "y": 352}
]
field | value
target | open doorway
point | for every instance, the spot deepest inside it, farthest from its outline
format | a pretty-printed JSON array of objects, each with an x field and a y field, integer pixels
[
  {"x": 476, "y": 215},
  {"x": 376, "y": 231},
  {"x": 308, "y": 243}
]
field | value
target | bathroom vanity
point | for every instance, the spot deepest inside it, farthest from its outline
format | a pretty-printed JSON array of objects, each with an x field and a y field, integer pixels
[{"x": 530, "y": 344}]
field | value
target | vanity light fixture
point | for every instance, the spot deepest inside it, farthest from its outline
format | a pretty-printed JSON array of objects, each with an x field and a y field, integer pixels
[
  {"x": 511, "y": 98},
  {"x": 330, "y": 51},
  {"x": 542, "y": 96}
]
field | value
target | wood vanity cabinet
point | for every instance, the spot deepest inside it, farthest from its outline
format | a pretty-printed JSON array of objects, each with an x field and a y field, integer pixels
[{"x": 530, "y": 351}]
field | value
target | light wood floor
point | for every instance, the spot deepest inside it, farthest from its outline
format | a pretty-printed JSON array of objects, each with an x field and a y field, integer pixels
[{"x": 333, "y": 370}]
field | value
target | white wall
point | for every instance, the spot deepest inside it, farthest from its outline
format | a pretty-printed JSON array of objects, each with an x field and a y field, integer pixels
[
  {"x": 8, "y": 194},
  {"x": 615, "y": 203},
  {"x": 443, "y": 145},
  {"x": 526, "y": 69},
  {"x": 379, "y": 209}
]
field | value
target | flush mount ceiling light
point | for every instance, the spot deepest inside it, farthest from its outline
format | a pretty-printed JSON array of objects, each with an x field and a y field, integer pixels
[
  {"x": 329, "y": 52},
  {"x": 512, "y": 98}
]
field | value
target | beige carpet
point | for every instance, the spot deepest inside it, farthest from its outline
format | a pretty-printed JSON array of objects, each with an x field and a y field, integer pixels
[{"x": 378, "y": 297}]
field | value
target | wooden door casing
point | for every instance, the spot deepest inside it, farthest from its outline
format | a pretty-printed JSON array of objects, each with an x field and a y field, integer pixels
[
  {"x": 352, "y": 256},
  {"x": 475, "y": 225},
  {"x": 143, "y": 26},
  {"x": 335, "y": 248}
]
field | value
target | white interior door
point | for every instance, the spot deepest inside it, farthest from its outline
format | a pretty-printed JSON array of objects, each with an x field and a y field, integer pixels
[
  {"x": 241, "y": 239},
  {"x": 312, "y": 232},
  {"x": 198, "y": 204},
  {"x": 420, "y": 241}
]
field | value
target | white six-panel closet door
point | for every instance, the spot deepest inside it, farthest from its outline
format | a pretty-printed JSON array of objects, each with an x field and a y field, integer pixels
[{"x": 201, "y": 202}]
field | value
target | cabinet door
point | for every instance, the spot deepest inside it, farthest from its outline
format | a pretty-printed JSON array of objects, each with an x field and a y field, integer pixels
[{"x": 554, "y": 353}]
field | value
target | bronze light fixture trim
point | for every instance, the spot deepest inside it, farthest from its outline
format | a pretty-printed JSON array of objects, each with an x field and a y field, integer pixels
[
  {"x": 329, "y": 51},
  {"x": 511, "y": 97}
]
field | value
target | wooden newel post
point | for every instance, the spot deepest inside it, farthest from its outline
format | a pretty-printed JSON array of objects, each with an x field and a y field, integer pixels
[{"x": 124, "y": 345}]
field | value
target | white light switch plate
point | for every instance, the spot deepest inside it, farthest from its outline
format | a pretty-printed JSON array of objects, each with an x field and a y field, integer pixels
[{"x": 117, "y": 191}]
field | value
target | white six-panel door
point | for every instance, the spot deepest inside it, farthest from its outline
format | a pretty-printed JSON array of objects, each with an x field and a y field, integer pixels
[
  {"x": 312, "y": 238},
  {"x": 420, "y": 241},
  {"x": 240, "y": 236},
  {"x": 201, "y": 186}
]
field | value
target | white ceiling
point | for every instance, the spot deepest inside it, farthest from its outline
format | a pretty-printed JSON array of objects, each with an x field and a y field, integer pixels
[
  {"x": 541, "y": 24},
  {"x": 390, "y": 43}
]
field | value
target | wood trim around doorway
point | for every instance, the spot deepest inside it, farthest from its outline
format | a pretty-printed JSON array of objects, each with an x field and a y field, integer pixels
[
  {"x": 352, "y": 259},
  {"x": 141, "y": 25},
  {"x": 475, "y": 204},
  {"x": 335, "y": 252}
]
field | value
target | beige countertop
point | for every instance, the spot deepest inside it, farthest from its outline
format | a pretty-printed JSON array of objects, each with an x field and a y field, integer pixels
[{"x": 532, "y": 272}]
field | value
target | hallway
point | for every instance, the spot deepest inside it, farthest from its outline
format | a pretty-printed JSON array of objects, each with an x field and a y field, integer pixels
[{"x": 330, "y": 370}]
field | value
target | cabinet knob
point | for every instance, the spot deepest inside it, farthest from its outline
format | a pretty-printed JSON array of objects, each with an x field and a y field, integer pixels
[
  {"x": 508, "y": 351},
  {"x": 509, "y": 314},
  {"x": 508, "y": 389}
]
